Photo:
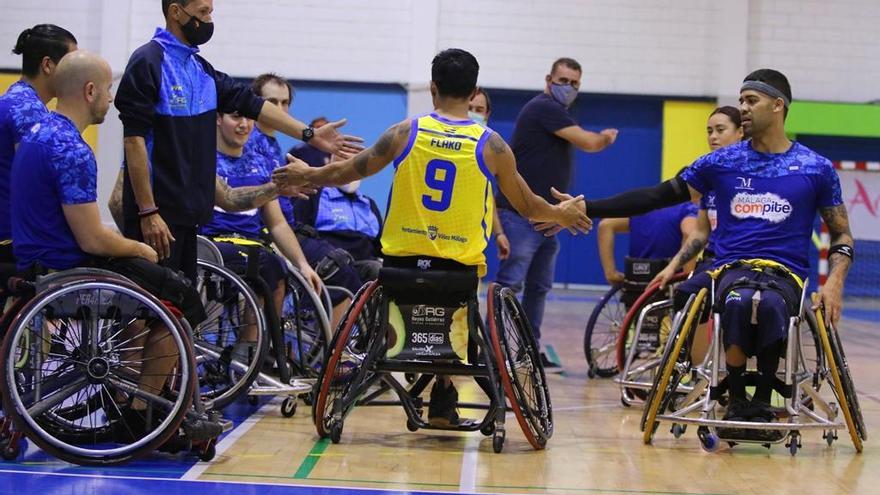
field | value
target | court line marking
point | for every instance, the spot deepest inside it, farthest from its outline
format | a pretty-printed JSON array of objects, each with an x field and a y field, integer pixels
[
  {"x": 467, "y": 481},
  {"x": 200, "y": 467},
  {"x": 311, "y": 460}
]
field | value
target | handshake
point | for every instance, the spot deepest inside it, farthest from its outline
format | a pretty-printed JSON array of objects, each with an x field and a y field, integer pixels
[{"x": 570, "y": 214}]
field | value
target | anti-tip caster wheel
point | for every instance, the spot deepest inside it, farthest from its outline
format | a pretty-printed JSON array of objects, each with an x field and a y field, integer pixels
[
  {"x": 411, "y": 425},
  {"x": 288, "y": 407},
  {"x": 708, "y": 440},
  {"x": 336, "y": 432},
  {"x": 498, "y": 441},
  {"x": 488, "y": 429},
  {"x": 678, "y": 430},
  {"x": 10, "y": 451},
  {"x": 207, "y": 455},
  {"x": 253, "y": 400}
]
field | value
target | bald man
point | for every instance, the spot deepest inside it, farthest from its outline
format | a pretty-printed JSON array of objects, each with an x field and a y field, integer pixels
[{"x": 56, "y": 226}]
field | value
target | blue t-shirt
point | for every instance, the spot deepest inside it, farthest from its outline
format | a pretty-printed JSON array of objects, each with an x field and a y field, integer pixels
[
  {"x": 542, "y": 158},
  {"x": 247, "y": 170},
  {"x": 766, "y": 202},
  {"x": 657, "y": 234},
  {"x": 20, "y": 109},
  {"x": 268, "y": 147},
  {"x": 53, "y": 167},
  {"x": 707, "y": 202}
]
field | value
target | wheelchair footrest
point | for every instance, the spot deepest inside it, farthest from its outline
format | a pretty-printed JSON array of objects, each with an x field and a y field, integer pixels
[
  {"x": 432, "y": 368},
  {"x": 749, "y": 435}
]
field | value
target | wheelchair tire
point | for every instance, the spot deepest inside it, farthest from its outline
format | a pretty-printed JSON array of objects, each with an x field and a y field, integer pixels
[
  {"x": 844, "y": 388},
  {"x": 629, "y": 320},
  {"x": 330, "y": 403},
  {"x": 666, "y": 382},
  {"x": 40, "y": 414},
  {"x": 515, "y": 349},
  {"x": 228, "y": 301},
  {"x": 603, "y": 328}
]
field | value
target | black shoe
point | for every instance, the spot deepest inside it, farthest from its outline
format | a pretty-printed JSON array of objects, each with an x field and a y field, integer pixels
[
  {"x": 198, "y": 430},
  {"x": 761, "y": 412},
  {"x": 441, "y": 410},
  {"x": 737, "y": 410},
  {"x": 550, "y": 366}
]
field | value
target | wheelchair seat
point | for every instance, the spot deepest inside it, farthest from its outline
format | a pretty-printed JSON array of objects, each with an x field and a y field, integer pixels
[{"x": 403, "y": 279}]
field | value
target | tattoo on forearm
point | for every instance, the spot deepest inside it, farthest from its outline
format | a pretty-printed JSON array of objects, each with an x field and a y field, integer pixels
[
  {"x": 691, "y": 250},
  {"x": 245, "y": 198},
  {"x": 837, "y": 221},
  {"x": 381, "y": 149}
]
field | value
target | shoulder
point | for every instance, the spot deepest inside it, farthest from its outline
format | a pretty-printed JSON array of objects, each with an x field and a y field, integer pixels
[
  {"x": 149, "y": 53},
  {"x": 811, "y": 162}
]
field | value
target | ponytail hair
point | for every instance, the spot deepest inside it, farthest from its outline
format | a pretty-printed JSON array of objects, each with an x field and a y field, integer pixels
[{"x": 40, "y": 41}]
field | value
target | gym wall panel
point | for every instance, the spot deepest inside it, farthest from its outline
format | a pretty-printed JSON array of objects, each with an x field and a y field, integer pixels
[
  {"x": 369, "y": 108},
  {"x": 633, "y": 161},
  {"x": 684, "y": 134}
]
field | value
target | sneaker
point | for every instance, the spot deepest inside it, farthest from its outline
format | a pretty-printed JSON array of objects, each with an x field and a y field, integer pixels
[
  {"x": 737, "y": 410},
  {"x": 441, "y": 410},
  {"x": 550, "y": 366},
  {"x": 761, "y": 412},
  {"x": 197, "y": 430}
]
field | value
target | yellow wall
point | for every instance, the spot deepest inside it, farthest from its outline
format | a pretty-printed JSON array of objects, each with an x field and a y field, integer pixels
[
  {"x": 684, "y": 134},
  {"x": 91, "y": 132}
]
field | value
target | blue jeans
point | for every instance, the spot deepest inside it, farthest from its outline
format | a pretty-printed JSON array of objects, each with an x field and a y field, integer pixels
[{"x": 531, "y": 265}]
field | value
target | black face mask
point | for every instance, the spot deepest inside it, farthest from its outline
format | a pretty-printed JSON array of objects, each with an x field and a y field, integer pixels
[{"x": 197, "y": 32}]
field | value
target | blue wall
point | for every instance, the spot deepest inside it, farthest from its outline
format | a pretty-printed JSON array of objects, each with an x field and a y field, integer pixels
[
  {"x": 369, "y": 108},
  {"x": 634, "y": 160}
]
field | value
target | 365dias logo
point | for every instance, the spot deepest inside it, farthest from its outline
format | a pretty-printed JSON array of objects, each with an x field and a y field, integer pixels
[{"x": 767, "y": 206}]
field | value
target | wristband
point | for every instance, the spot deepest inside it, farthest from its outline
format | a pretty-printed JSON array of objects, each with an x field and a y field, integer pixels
[
  {"x": 148, "y": 212},
  {"x": 844, "y": 249}
]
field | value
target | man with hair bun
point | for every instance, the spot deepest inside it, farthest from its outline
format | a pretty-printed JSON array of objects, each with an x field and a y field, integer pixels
[{"x": 24, "y": 104}]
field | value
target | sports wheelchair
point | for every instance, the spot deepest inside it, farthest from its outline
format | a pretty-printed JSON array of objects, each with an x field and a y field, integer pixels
[
  {"x": 813, "y": 357},
  {"x": 427, "y": 323},
  {"x": 618, "y": 324},
  {"x": 298, "y": 336},
  {"x": 73, "y": 358}
]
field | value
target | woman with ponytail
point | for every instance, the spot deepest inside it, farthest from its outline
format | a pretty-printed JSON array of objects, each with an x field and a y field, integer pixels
[{"x": 24, "y": 104}]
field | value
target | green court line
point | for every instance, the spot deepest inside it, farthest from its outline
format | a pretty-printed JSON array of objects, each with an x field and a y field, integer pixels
[{"x": 311, "y": 459}]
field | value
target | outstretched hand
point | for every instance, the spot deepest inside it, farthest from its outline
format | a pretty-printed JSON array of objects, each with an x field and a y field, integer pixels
[
  {"x": 327, "y": 138},
  {"x": 575, "y": 216},
  {"x": 291, "y": 175}
]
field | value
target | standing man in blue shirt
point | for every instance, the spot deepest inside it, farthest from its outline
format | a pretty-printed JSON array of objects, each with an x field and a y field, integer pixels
[
  {"x": 768, "y": 190},
  {"x": 24, "y": 104},
  {"x": 168, "y": 99},
  {"x": 543, "y": 142}
]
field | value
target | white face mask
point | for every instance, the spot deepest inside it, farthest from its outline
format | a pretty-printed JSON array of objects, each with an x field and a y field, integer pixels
[
  {"x": 351, "y": 187},
  {"x": 478, "y": 118}
]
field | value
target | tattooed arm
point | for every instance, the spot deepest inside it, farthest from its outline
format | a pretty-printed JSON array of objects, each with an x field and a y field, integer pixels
[
  {"x": 569, "y": 213},
  {"x": 693, "y": 244},
  {"x": 364, "y": 164},
  {"x": 243, "y": 198},
  {"x": 831, "y": 294}
]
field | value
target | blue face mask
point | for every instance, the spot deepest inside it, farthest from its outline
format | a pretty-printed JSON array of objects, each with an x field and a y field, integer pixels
[
  {"x": 563, "y": 93},
  {"x": 478, "y": 118}
]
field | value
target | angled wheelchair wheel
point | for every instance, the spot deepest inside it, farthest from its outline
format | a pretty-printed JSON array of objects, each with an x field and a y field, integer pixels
[
  {"x": 348, "y": 373},
  {"x": 844, "y": 389},
  {"x": 519, "y": 366},
  {"x": 77, "y": 371},
  {"x": 305, "y": 322},
  {"x": 667, "y": 380},
  {"x": 231, "y": 343},
  {"x": 601, "y": 333}
]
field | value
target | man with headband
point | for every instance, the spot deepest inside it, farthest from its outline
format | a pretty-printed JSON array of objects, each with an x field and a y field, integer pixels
[{"x": 768, "y": 190}]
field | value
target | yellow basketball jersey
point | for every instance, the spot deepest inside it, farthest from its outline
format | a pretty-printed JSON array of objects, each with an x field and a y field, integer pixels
[{"x": 441, "y": 198}]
